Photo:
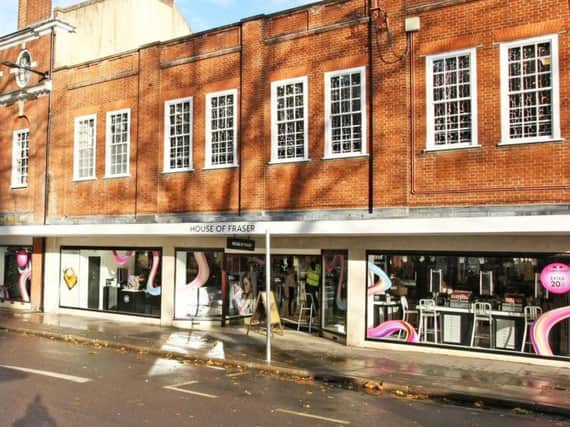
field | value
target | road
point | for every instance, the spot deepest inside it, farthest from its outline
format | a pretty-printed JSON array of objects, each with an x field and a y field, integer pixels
[{"x": 51, "y": 383}]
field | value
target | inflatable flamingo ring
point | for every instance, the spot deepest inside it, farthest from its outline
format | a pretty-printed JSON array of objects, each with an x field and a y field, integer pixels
[
  {"x": 151, "y": 290},
  {"x": 330, "y": 266},
  {"x": 386, "y": 282},
  {"x": 203, "y": 271},
  {"x": 556, "y": 279},
  {"x": 25, "y": 271},
  {"x": 391, "y": 327}
]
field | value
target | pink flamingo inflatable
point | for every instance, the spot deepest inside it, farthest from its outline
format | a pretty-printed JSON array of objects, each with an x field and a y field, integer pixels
[
  {"x": 122, "y": 259},
  {"x": 203, "y": 271},
  {"x": 391, "y": 327},
  {"x": 151, "y": 290},
  {"x": 555, "y": 278}
]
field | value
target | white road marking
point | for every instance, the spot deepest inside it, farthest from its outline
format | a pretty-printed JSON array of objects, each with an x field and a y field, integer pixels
[
  {"x": 65, "y": 377},
  {"x": 176, "y": 387},
  {"x": 316, "y": 417},
  {"x": 236, "y": 374},
  {"x": 219, "y": 368}
]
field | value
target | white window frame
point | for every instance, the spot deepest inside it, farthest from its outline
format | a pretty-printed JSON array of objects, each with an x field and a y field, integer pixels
[
  {"x": 430, "y": 125},
  {"x": 77, "y": 121},
  {"x": 20, "y": 180},
  {"x": 364, "y": 106},
  {"x": 208, "y": 160},
  {"x": 166, "y": 165},
  {"x": 274, "y": 125},
  {"x": 555, "y": 75},
  {"x": 109, "y": 142}
]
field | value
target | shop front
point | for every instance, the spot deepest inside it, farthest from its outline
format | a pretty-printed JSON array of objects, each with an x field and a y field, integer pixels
[
  {"x": 477, "y": 301},
  {"x": 214, "y": 285},
  {"x": 113, "y": 280},
  {"x": 197, "y": 279},
  {"x": 15, "y": 274},
  {"x": 456, "y": 286}
]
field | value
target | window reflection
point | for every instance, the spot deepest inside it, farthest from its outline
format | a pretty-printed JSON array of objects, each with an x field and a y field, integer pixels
[
  {"x": 402, "y": 286},
  {"x": 115, "y": 280}
]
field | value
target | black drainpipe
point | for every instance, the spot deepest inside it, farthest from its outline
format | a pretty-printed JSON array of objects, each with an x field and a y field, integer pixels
[
  {"x": 48, "y": 132},
  {"x": 370, "y": 115},
  {"x": 240, "y": 124}
]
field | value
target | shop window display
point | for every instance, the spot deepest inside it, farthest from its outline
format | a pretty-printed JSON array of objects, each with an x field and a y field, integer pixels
[
  {"x": 212, "y": 285},
  {"x": 246, "y": 276},
  {"x": 296, "y": 283},
  {"x": 200, "y": 284},
  {"x": 483, "y": 301},
  {"x": 112, "y": 280},
  {"x": 15, "y": 273}
]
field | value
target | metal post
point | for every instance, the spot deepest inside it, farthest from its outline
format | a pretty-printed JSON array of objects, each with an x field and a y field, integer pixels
[{"x": 267, "y": 292}]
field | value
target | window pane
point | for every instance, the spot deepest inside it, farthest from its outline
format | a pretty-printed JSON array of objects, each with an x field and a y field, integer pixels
[
  {"x": 530, "y": 74},
  {"x": 180, "y": 136},
  {"x": 118, "y": 143},
  {"x": 290, "y": 138},
  {"x": 346, "y": 114},
  {"x": 451, "y": 96}
]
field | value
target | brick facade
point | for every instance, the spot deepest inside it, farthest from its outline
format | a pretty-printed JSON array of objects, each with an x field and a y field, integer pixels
[
  {"x": 24, "y": 205},
  {"x": 32, "y": 11},
  {"x": 515, "y": 174},
  {"x": 307, "y": 41}
]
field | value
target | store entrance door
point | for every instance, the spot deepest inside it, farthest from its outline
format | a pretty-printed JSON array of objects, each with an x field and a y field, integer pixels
[
  {"x": 93, "y": 278},
  {"x": 334, "y": 292},
  {"x": 11, "y": 276}
]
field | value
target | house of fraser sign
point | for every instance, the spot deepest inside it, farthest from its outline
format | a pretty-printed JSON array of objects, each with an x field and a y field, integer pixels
[{"x": 223, "y": 228}]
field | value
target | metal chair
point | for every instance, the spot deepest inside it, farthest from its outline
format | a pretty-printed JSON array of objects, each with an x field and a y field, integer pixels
[
  {"x": 427, "y": 310},
  {"x": 531, "y": 313},
  {"x": 482, "y": 314},
  {"x": 406, "y": 312}
]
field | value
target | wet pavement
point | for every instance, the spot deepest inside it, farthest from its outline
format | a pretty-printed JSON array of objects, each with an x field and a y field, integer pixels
[{"x": 463, "y": 378}]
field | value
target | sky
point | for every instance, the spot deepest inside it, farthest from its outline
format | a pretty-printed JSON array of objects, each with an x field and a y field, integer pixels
[{"x": 201, "y": 14}]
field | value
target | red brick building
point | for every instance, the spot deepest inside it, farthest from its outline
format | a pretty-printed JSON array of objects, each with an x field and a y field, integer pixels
[{"x": 416, "y": 146}]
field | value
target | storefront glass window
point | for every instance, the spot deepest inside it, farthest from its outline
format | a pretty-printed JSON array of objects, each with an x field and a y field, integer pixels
[
  {"x": 200, "y": 284},
  {"x": 296, "y": 283},
  {"x": 334, "y": 291},
  {"x": 246, "y": 277},
  {"x": 114, "y": 280},
  {"x": 471, "y": 300},
  {"x": 15, "y": 273}
]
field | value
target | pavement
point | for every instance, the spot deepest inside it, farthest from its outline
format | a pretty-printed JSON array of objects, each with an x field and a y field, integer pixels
[{"x": 518, "y": 385}]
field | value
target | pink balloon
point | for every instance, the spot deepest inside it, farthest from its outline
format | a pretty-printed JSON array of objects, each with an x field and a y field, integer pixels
[
  {"x": 555, "y": 278},
  {"x": 22, "y": 258}
]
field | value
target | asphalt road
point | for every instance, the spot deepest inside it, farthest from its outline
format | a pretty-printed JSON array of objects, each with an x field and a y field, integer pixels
[{"x": 50, "y": 383}]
